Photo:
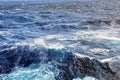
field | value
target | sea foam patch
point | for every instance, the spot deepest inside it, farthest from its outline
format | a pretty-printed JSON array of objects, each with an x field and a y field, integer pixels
[{"x": 86, "y": 78}]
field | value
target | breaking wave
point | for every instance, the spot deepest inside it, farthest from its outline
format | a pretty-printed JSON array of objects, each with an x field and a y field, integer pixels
[{"x": 38, "y": 44}]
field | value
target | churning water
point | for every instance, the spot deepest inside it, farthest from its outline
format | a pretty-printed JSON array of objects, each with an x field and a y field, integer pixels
[{"x": 35, "y": 43}]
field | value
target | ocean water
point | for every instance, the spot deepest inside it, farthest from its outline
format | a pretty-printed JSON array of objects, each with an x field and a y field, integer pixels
[
  {"x": 48, "y": 0},
  {"x": 33, "y": 41}
]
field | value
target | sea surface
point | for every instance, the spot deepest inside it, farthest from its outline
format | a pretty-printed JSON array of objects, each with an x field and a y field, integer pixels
[{"x": 33, "y": 40}]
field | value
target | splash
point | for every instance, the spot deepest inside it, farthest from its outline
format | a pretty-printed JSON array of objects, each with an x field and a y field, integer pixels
[{"x": 33, "y": 72}]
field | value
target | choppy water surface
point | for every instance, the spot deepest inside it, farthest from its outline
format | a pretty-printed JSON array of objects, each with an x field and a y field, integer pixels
[{"x": 33, "y": 41}]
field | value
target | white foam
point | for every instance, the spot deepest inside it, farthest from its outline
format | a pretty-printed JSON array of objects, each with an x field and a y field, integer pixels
[
  {"x": 86, "y": 78},
  {"x": 42, "y": 42},
  {"x": 33, "y": 72}
]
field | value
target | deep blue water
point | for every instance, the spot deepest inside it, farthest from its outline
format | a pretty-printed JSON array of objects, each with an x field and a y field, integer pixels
[
  {"x": 35, "y": 43},
  {"x": 25, "y": 54}
]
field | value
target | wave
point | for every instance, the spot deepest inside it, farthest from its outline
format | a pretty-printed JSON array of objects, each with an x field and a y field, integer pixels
[
  {"x": 62, "y": 36},
  {"x": 20, "y": 19},
  {"x": 67, "y": 64}
]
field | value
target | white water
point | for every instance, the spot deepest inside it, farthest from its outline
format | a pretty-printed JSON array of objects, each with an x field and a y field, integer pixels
[{"x": 61, "y": 30}]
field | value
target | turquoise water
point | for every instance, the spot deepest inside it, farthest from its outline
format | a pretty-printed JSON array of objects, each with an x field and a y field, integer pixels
[{"x": 33, "y": 72}]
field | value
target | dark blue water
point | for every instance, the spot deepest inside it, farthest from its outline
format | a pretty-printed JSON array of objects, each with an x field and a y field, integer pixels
[{"x": 35, "y": 43}]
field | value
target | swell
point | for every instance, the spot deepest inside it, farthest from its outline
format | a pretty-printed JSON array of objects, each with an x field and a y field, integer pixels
[{"x": 69, "y": 65}]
